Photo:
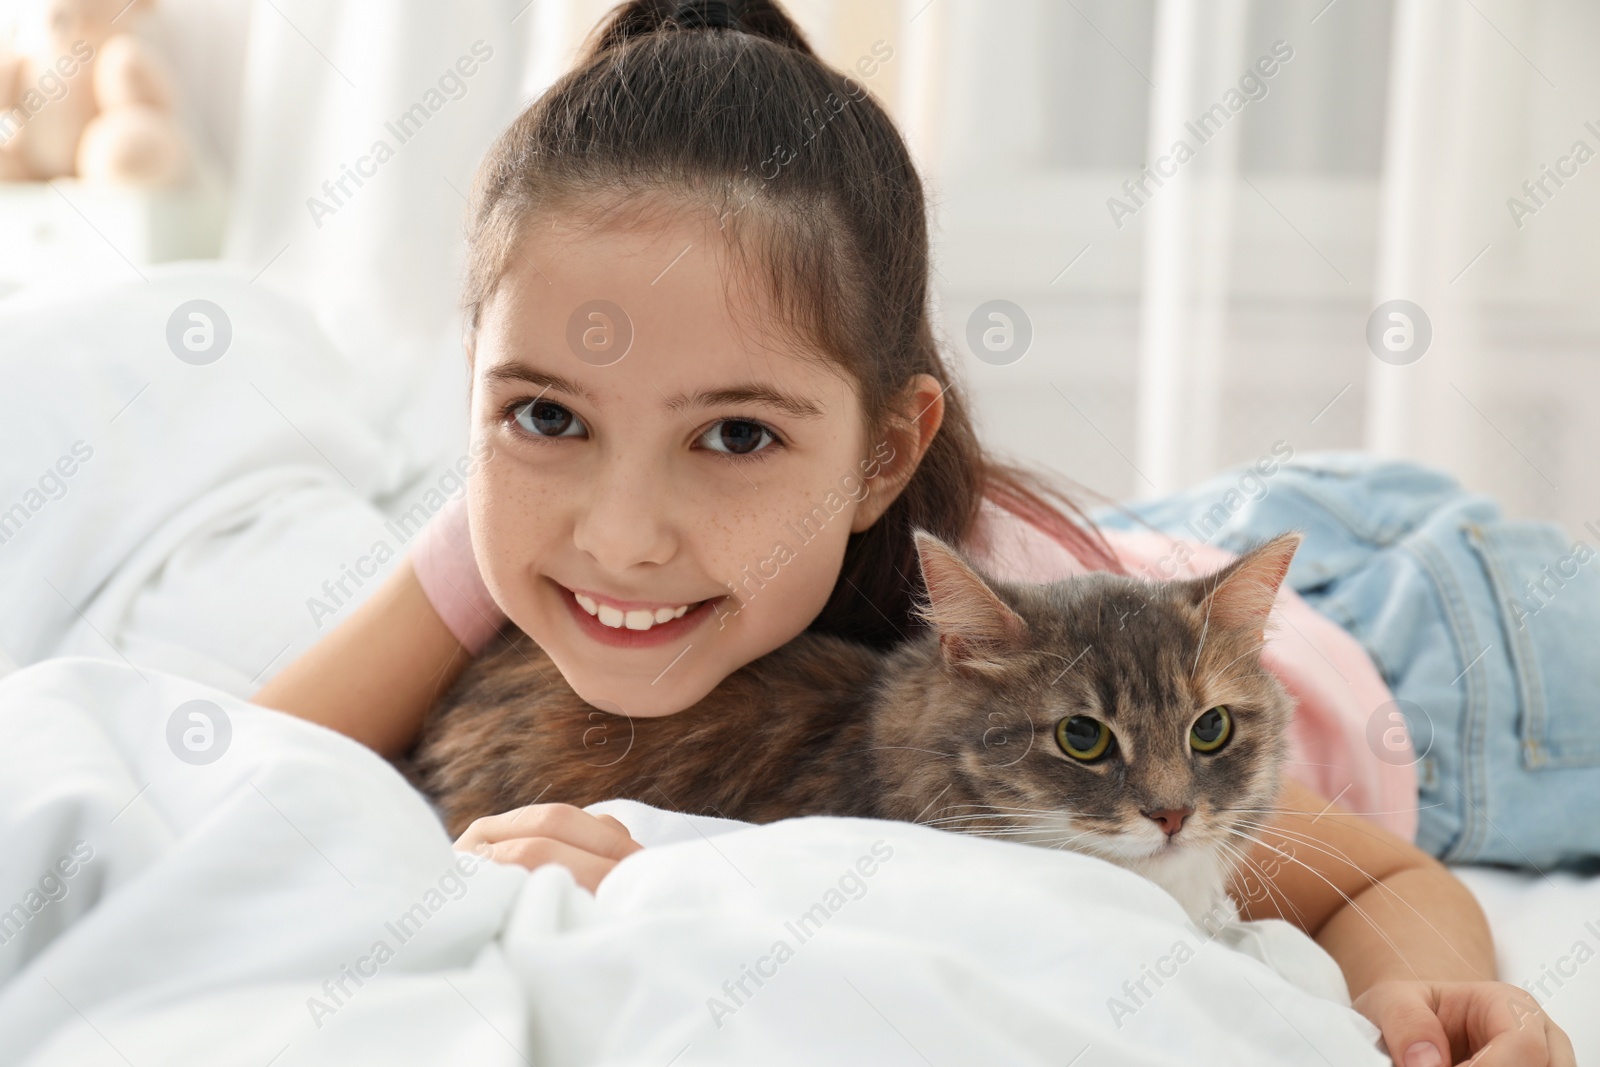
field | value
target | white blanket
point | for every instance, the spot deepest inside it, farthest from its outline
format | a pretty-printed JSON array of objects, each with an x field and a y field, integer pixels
[{"x": 293, "y": 901}]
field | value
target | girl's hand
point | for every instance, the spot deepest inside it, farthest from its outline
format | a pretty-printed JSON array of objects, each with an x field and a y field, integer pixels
[
  {"x": 1487, "y": 1024},
  {"x": 587, "y": 845}
]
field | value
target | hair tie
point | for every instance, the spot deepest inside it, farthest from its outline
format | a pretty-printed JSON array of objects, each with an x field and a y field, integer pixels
[{"x": 706, "y": 15}]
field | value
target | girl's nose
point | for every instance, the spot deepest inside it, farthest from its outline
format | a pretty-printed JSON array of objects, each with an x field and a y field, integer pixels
[{"x": 626, "y": 518}]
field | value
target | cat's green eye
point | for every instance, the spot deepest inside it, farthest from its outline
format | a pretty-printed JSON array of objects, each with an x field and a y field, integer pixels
[
  {"x": 1211, "y": 730},
  {"x": 1083, "y": 738}
]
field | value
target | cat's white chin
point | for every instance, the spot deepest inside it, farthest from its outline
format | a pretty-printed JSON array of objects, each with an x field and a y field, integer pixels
[{"x": 1196, "y": 876}]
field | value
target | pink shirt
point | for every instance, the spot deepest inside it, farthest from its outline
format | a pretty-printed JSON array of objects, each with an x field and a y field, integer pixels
[{"x": 1333, "y": 681}]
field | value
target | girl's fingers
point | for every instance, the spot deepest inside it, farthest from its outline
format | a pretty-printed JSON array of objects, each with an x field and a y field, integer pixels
[
  {"x": 1562, "y": 1054},
  {"x": 598, "y": 834},
  {"x": 617, "y": 823},
  {"x": 534, "y": 852},
  {"x": 1515, "y": 1049},
  {"x": 1507, "y": 1027},
  {"x": 1409, "y": 1021},
  {"x": 1497, "y": 1024}
]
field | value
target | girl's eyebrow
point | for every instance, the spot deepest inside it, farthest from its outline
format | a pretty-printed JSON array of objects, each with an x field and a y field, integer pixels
[
  {"x": 746, "y": 393},
  {"x": 517, "y": 372}
]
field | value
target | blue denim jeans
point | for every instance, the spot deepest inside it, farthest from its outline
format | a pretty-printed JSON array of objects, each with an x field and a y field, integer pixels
[{"x": 1486, "y": 629}]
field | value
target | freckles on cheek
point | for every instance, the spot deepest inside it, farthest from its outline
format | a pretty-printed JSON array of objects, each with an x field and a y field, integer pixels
[
  {"x": 780, "y": 579},
  {"x": 517, "y": 512},
  {"x": 727, "y": 543}
]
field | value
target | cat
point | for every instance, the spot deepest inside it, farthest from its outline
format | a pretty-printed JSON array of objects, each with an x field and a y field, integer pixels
[{"x": 1125, "y": 718}]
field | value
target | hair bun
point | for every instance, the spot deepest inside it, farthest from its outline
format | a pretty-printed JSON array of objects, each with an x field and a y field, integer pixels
[
  {"x": 646, "y": 18},
  {"x": 705, "y": 15}
]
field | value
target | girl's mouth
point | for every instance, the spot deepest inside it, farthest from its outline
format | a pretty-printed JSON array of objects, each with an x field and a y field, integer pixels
[{"x": 636, "y": 628}]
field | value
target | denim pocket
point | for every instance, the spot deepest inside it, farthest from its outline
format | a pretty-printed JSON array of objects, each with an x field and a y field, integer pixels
[{"x": 1547, "y": 597}]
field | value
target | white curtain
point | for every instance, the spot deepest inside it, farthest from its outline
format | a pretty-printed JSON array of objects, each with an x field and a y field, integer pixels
[
  {"x": 1230, "y": 311},
  {"x": 1227, "y": 313},
  {"x": 1483, "y": 101},
  {"x": 362, "y": 121}
]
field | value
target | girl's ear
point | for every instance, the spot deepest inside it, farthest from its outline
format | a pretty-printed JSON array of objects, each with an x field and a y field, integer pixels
[
  {"x": 913, "y": 425},
  {"x": 976, "y": 628}
]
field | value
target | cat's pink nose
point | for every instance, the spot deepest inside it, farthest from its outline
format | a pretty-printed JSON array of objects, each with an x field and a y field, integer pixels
[{"x": 1169, "y": 819}]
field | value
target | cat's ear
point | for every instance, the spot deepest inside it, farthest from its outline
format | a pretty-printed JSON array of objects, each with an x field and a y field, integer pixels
[
  {"x": 1240, "y": 595},
  {"x": 976, "y": 628}
]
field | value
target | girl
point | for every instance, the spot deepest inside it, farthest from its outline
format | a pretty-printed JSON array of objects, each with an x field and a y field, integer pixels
[{"x": 711, "y": 409}]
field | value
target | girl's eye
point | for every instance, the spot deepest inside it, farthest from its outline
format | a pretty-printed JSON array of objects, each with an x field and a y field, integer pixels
[
  {"x": 1083, "y": 738},
  {"x": 1211, "y": 730},
  {"x": 545, "y": 418},
  {"x": 738, "y": 437}
]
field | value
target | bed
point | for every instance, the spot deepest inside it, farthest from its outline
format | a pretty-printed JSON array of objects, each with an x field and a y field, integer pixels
[{"x": 167, "y": 532}]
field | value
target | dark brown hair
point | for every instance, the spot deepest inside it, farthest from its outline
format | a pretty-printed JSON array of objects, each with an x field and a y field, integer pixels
[{"x": 725, "y": 105}]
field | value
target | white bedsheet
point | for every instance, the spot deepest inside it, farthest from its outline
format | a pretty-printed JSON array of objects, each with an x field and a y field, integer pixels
[
  {"x": 208, "y": 904},
  {"x": 217, "y": 502}
]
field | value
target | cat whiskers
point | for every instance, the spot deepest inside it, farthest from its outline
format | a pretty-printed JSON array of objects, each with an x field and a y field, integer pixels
[
  {"x": 1294, "y": 837},
  {"x": 1242, "y": 655},
  {"x": 997, "y": 817},
  {"x": 1050, "y": 828},
  {"x": 992, "y": 827},
  {"x": 1353, "y": 820},
  {"x": 1205, "y": 628},
  {"x": 1243, "y": 859},
  {"x": 1035, "y": 836},
  {"x": 1247, "y": 830},
  {"x": 1009, "y": 808},
  {"x": 1297, "y": 811},
  {"x": 909, "y": 748},
  {"x": 999, "y": 813},
  {"x": 1349, "y": 901}
]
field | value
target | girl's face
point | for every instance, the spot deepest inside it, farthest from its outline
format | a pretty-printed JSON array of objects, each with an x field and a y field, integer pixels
[{"x": 666, "y": 496}]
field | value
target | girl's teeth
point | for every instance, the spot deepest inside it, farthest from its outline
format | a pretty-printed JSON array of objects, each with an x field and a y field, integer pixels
[{"x": 638, "y": 619}]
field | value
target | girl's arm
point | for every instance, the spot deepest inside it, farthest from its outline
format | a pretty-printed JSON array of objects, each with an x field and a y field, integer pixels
[
  {"x": 1412, "y": 942},
  {"x": 376, "y": 674},
  {"x": 374, "y": 677}
]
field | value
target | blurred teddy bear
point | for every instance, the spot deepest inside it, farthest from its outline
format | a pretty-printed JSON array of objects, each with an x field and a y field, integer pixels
[{"x": 83, "y": 96}]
